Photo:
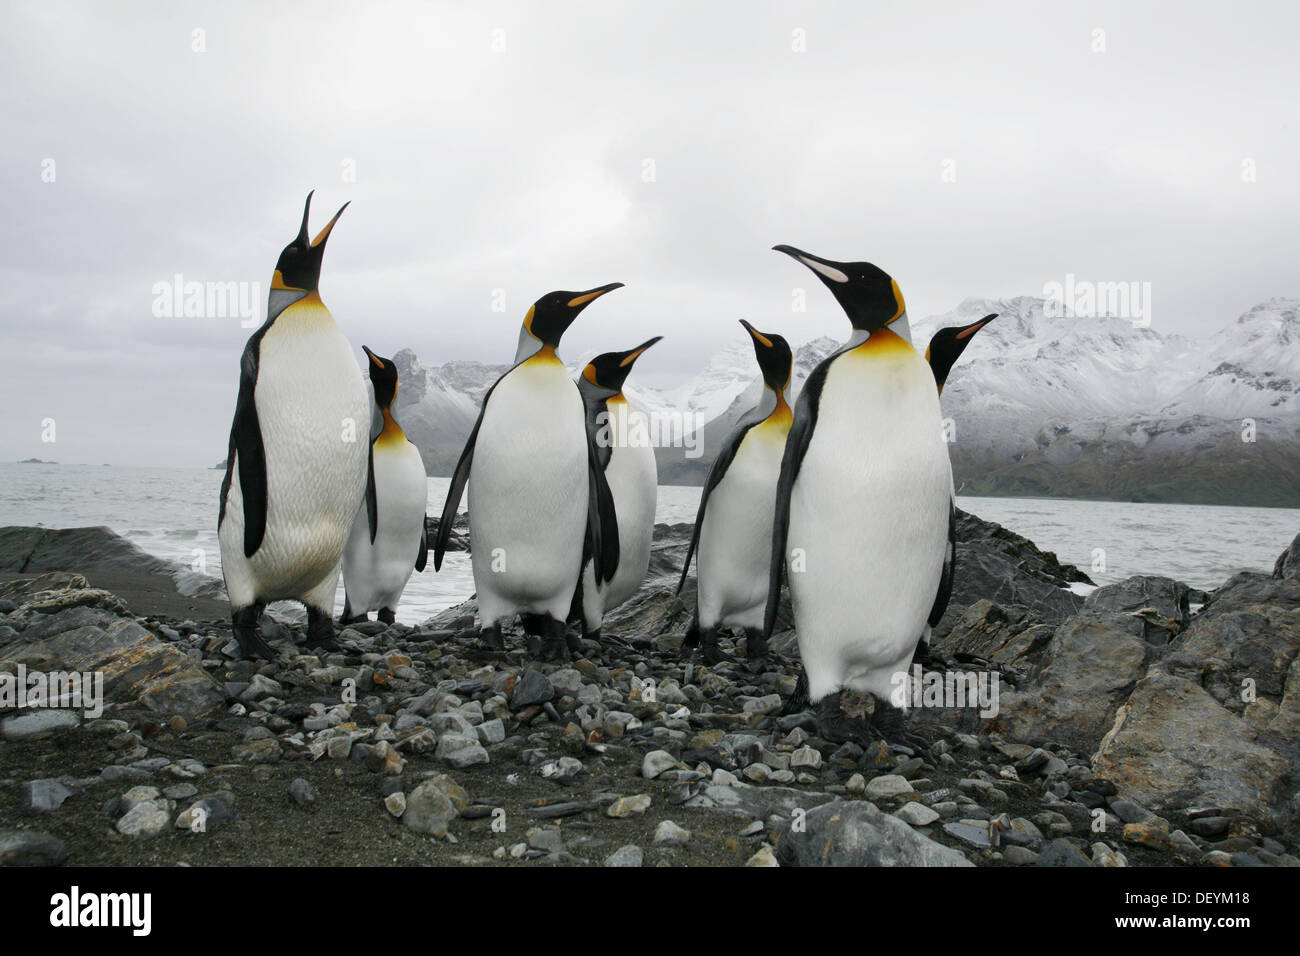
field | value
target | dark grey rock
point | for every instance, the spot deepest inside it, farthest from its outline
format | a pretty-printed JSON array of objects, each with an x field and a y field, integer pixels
[{"x": 855, "y": 833}]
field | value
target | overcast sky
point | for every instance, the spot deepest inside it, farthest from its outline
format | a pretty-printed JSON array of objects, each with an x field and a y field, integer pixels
[{"x": 527, "y": 146}]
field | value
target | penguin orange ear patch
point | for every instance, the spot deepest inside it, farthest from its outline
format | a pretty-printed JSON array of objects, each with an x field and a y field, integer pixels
[{"x": 898, "y": 297}]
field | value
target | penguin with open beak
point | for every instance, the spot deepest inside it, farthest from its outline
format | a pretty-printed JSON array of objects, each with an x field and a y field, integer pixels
[{"x": 296, "y": 463}]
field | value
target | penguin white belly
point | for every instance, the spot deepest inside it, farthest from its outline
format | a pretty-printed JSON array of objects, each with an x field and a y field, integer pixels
[
  {"x": 735, "y": 550},
  {"x": 528, "y": 494},
  {"x": 313, "y": 413},
  {"x": 868, "y": 521},
  {"x": 374, "y": 575},
  {"x": 634, "y": 486}
]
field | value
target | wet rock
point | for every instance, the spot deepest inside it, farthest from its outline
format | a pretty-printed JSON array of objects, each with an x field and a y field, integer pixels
[
  {"x": 302, "y": 792},
  {"x": 43, "y": 796},
  {"x": 855, "y": 833},
  {"x": 31, "y": 848},
  {"x": 429, "y": 810},
  {"x": 38, "y": 724},
  {"x": 1173, "y": 745},
  {"x": 629, "y": 855},
  {"x": 628, "y": 806},
  {"x": 137, "y": 667},
  {"x": 1062, "y": 852},
  {"x": 886, "y": 786},
  {"x": 531, "y": 688}
]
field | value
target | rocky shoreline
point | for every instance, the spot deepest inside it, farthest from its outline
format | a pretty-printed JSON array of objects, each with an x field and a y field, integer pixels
[{"x": 1129, "y": 731}]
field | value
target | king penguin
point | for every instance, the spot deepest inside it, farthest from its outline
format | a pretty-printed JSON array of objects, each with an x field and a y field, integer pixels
[
  {"x": 621, "y": 436},
  {"x": 295, "y": 469},
  {"x": 733, "y": 527},
  {"x": 863, "y": 506},
  {"x": 946, "y": 346},
  {"x": 539, "y": 504},
  {"x": 387, "y": 541}
]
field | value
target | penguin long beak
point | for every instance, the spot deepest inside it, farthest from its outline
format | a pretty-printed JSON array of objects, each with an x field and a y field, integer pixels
[
  {"x": 635, "y": 353},
  {"x": 827, "y": 269},
  {"x": 759, "y": 337},
  {"x": 325, "y": 233},
  {"x": 583, "y": 299},
  {"x": 373, "y": 357},
  {"x": 303, "y": 234},
  {"x": 967, "y": 331}
]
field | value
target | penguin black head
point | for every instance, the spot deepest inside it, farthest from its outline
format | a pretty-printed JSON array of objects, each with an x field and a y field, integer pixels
[
  {"x": 299, "y": 265},
  {"x": 383, "y": 376},
  {"x": 553, "y": 313},
  {"x": 948, "y": 344},
  {"x": 870, "y": 298},
  {"x": 606, "y": 373},
  {"x": 774, "y": 357}
]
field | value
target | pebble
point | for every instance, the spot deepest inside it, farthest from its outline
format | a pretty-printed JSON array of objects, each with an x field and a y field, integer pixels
[
  {"x": 764, "y": 857},
  {"x": 628, "y": 806},
  {"x": 629, "y": 855},
  {"x": 31, "y": 848},
  {"x": 887, "y": 785},
  {"x": 670, "y": 834},
  {"x": 916, "y": 814},
  {"x": 396, "y": 803},
  {"x": 43, "y": 796},
  {"x": 303, "y": 793}
]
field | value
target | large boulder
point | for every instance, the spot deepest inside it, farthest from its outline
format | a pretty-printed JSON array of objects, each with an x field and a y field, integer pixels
[
  {"x": 1216, "y": 720},
  {"x": 856, "y": 833},
  {"x": 1084, "y": 674},
  {"x": 74, "y": 628}
]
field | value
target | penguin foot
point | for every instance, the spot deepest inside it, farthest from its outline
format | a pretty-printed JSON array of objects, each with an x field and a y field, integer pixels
[
  {"x": 320, "y": 630},
  {"x": 252, "y": 645},
  {"x": 928, "y": 659},
  {"x": 387, "y": 615},
  {"x": 756, "y": 646},
  {"x": 837, "y": 727},
  {"x": 490, "y": 639},
  {"x": 889, "y": 723},
  {"x": 798, "y": 701},
  {"x": 711, "y": 653}
]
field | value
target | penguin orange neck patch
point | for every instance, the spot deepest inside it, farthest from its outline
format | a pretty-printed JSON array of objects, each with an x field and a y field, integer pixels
[{"x": 392, "y": 432}]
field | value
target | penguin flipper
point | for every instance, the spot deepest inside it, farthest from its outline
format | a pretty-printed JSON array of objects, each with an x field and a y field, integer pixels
[
  {"x": 422, "y": 556},
  {"x": 944, "y": 593},
  {"x": 372, "y": 496},
  {"x": 246, "y": 446},
  {"x": 796, "y": 446},
  {"x": 726, "y": 455},
  {"x": 459, "y": 478},
  {"x": 602, "y": 519}
]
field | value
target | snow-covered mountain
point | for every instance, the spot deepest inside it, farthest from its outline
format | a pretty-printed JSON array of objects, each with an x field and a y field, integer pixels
[{"x": 1041, "y": 405}]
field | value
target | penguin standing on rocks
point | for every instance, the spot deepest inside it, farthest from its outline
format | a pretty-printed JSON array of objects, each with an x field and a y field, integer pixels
[
  {"x": 733, "y": 527},
  {"x": 295, "y": 468},
  {"x": 944, "y": 349},
  {"x": 539, "y": 502},
  {"x": 863, "y": 507},
  {"x": 387, "y": 541},
  {"x": 623, "y": 449}
]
